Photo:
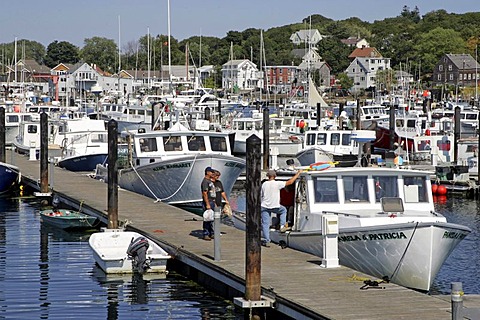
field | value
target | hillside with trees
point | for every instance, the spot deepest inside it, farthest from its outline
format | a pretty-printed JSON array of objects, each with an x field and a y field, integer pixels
[{"x": 410, "y": 40}]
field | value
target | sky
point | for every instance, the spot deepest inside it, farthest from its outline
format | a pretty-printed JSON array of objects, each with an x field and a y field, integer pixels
[{"x": 125, "y": 21}]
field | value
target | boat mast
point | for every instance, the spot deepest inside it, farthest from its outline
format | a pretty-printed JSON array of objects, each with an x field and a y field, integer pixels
[{"x": 169, "y": 47}]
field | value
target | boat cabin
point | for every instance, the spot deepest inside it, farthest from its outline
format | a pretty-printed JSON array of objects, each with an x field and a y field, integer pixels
[
  {"x": 160, "y": 145},
  {"x": 358, "y": 193}
]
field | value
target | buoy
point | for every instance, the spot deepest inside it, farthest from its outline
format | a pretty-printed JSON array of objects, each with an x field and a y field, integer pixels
[
  {"x": 442, "y": 199},
  {"x": 441, "y": 190},
  {"x": 434, "y": 188}
]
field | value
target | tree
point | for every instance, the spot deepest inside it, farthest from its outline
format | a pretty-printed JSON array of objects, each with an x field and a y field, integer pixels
[
  {"x": 101, "y": 51},
  {"x": 61, "y": 52},
  {"x": 345, "y": 81}
]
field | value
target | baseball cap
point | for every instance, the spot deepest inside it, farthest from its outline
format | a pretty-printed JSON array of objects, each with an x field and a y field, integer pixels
[
  {"x": 271, "y": 173},
  {"x": 209, "y": 169}
]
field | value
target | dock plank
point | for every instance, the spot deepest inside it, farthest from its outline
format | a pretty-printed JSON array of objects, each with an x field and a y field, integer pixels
[{"x": 295, "y": 279}]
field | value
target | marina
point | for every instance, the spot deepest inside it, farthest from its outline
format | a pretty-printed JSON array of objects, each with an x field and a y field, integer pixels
[{"x": 179, "y": 233}]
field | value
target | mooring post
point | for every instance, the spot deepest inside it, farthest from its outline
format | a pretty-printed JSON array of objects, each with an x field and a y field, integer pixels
[
  {"x": 43, "y": 153},
  {"x": 319, "y": 115},
  {"x": 266, "y": 139},
  {"x": 358, "y": 123},
  {"x": 219, "y": 110},
  {"x": 2, "y": 135},
  {"x": 253, "y": 288},
  {"x": 216, "y": 231},
  {"x": 112, "y": 175},
  {"x": 207, "y": 113},
  {"x": 456, "y": 134},
  {"x": 391, "y": 126},
  {"x": 457, "y": 300}
]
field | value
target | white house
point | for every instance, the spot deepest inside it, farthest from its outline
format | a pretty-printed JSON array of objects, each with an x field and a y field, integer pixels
[
  {"x": 309, "y": 36},
  {"x": 363, "y": 69},
  {"x": 241, "y": 74}
]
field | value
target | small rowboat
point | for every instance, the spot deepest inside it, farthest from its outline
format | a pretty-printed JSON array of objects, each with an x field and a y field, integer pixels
[{"x": 68, "y": 219}]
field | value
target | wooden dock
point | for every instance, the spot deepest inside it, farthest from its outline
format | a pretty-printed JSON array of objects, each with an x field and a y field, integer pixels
[{"x": 300, "y": 288}]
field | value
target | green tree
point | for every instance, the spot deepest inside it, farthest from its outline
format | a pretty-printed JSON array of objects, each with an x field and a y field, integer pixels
[
  {"x": 101, "y": 51},
  {"x": 431, "y": 46},
  {"x": 61, "y": 52},
  {"x": 345, "y": 81}
]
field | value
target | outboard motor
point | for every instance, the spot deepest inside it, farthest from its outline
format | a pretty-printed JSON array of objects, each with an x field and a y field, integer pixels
[{"x": 138, "y": 251}]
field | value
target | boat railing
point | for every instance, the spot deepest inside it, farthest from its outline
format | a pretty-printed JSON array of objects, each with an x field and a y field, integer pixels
[{"x": 342, "y": 213}]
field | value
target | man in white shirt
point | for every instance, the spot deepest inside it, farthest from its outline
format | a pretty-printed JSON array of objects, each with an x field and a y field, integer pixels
[{"x": 271, "y": 203}]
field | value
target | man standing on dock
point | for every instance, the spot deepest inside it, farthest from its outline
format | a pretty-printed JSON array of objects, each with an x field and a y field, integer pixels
[{"x": 208, "y": 201}]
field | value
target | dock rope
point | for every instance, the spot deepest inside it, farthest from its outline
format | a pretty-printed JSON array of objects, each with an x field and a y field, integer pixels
[{"x": 403, "y": 255}]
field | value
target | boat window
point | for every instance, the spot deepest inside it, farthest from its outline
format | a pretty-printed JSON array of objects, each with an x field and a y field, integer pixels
[
  {"x": 385, "y": 186},
  {"x": 443, "y": 145},
  {"x": 423, "y": 145},
  {"x": 32, "y": 129},
  {"x": 411, "y": 123},
  {"x": 399, "y": 123},
  {"x": 141, "y": 112},
  {"x": 325, "y": 189},
  {"x": 258, "y": 125},
  {"x": 471, "y": 116},
  {"x": 12, "y": 119},
  {"x": 355, "y": 188},
  {"x": 131, "y": 111},
  {"x": 148, "y": 144},
  {"x": 346, "y": 139},
  {"x": 196, "y": 143},
  {"x": 335, "y": 139},
  {"x": 415, "y": 189},
  {"x": 310, "y": 140},
  {"x": 99, "y": 137},
  {"x": 218, "y": 144},
  {"x": 322, "y": 139},
  {"x": 240, "y": 126},
  {"x": 172, "y": 143}
]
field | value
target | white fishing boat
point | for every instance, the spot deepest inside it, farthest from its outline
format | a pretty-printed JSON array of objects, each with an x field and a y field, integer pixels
[
  {"x": 169, "y": 165},
  {"x": 118, "y": 251},
  {"x": 339, "y": 146},
  {"x": 387, "y": 224}
]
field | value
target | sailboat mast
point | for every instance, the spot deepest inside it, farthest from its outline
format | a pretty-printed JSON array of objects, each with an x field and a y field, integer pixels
[{"x": 169, "y": 49}]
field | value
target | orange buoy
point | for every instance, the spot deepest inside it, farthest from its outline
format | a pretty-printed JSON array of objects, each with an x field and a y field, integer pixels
[
  {"x": 434, "y": 188},
  {"x": 442, "y": 199},
  {"x": 441, "y": 190}
]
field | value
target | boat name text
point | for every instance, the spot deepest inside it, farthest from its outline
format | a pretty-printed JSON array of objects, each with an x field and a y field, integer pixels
[
  {"x": 373, "y": 236},
  {"x": 454, "y": 235},
  {"x": 173, "y": 165}
]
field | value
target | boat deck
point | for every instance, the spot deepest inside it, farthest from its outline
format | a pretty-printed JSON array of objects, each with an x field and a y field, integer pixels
[{"x": 301, "y": 288}]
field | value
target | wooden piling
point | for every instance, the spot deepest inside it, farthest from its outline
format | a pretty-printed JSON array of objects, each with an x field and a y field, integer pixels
[
  {"x": 219, "y": 109},
  {"x": 357, "y": 117},
  {"x": 319, "y": 115},
  {"x": 266, "y": 139},
  {"x": 43, "y": 153},
  {"x": 253, "y": 220},
  {"x": 2, "y": 135},
  {"x": 456, "y": 134},
  {"x": 391, "y": 126},
  {"x": 112, "y": 175}
]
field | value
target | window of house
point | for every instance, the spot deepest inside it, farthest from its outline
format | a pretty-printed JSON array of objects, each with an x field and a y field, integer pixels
[
  {"x": 440, "y": 67},
  {"x": 439, "y": 77},
  {"x": 450, "y": 76},
  {"x": 450, "y": 68}
]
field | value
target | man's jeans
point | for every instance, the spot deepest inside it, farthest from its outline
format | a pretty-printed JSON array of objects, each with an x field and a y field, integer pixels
[{"x": 281, "y": 213}]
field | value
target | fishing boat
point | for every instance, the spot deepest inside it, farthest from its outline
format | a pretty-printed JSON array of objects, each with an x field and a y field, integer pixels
[
  {"x": 386, "y": 220},
  {"x": 339, "y": 146},
  {"x": 68, "y": 219},
  {"x": 169, "y": 165},
  {"x": 118, "y": 251},
  {"x": 9, "y": 176}
]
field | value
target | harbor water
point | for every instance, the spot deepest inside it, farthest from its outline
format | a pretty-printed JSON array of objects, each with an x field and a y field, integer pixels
[
  {"x": 462, "y": 264},
  {"x": 48, "y": 273}
]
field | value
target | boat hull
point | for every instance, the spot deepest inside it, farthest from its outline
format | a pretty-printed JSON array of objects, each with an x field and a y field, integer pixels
[
  {"x": 110, "y": 252},
  {"x": 408, "y": 254},
  {"x": 83, "y": 162},
  {"x": 9, "y": 176},
  {"x": 67, "y": 219},
  {"x": 314, "y": 155},
  {"x": 177, "y": 181}
]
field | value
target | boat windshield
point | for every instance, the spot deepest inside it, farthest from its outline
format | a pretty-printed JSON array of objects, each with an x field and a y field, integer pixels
[
  {"x": 415, "y": 189},
  {"x": 196, "y": 143},
  {"x": 356, "y": 189},
  {"x": 218, "y": 144},
  {"x": 385, "y": 186},
  {"x": 326, "y": 189}
]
